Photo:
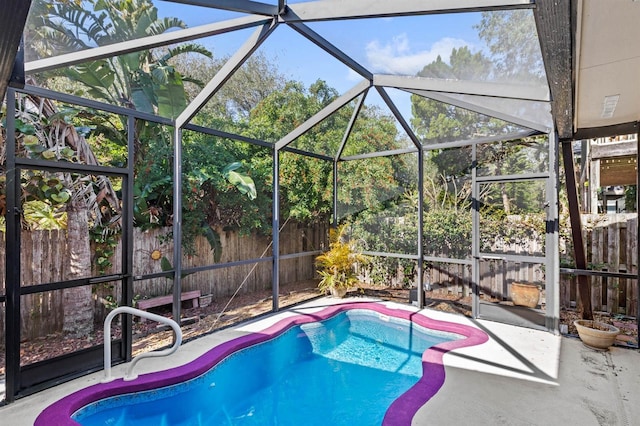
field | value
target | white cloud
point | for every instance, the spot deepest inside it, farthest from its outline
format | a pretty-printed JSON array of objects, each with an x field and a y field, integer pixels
[{"x": 397, "y": 57}]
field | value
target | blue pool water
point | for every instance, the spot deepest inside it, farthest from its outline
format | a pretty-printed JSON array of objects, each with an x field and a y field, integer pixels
[{"x": 345, "y": 370}]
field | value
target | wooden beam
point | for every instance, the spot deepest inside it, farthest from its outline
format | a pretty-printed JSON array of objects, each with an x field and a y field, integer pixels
[
  {"x": 12, "y": 19},
  {"x": 606, "y": 131},
  {"x": 579, "y": 255},
  {"x": 618, "y": 171},
  {"x": 614, "y": 149},
  {"x": 553, "y": 21}
]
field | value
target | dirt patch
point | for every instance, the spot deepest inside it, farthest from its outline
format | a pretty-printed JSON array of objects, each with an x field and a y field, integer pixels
[
  {"x": 226, "y": 312},
  {"x": 628, "y": 326}
]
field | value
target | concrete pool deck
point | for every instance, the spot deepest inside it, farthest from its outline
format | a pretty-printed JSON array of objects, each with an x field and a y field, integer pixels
[{"x": 519, "y": 377}]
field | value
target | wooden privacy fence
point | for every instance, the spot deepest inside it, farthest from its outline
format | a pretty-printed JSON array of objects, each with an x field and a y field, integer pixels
[
  {"x": 495, "y": 277},
  {"x": 611, "y": 243},
  {"x": 44, "y": 259}
]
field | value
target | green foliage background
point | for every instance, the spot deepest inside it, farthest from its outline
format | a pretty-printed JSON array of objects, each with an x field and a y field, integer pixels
[{"x": 377, "y": 196}]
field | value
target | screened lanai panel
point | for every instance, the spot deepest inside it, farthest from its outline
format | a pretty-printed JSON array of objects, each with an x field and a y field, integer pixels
[
  {"x": 305, "y": 211},
  {"x": 378, "y": 197},
  {"x": 61, "y": 27},
  {"x": 61, "y": 132},
  {"x": 194, "y": 15},
  {"x": 524, "y": 113},
  {"x": 327, "y": 136},
  {"x": 276, "y": 89},
  {"x": 400, "y": 45},
  {"x": 400, "y": 103},
  {"x": 70, "y": 226},
  {"x": 305, "y": 202},
  {"x": 157, "y": 81},
  {"x": 376, "y": 129},
  {"x": 447, "y": 213},
  {"x": 487, "y": 46},
  {"x": 437, "y": 122},
  {"x": 60, "y": 322},
  {"x": 528, "y": 155},
  {"x": 513, "y": 217},
  {"x": 226, "y": 200},
  {"x": 152, "y": 197}
]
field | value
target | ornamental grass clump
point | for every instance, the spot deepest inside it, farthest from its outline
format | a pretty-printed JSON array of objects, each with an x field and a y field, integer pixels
[{"x": 337, "y": 265}]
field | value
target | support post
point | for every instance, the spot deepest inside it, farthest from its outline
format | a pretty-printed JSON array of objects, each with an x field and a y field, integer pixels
[
  {"x": 127, "y": 243},
  {"x": 475, "y": 236},
  {"x": 420, "y": 268},
  {"x": 335, "y": 193},
  {"x": 579, "y": 254},
  {"x": 638, "y": 232},
  {"x": 12, "y": 255},
  {"x": 275, "y": 230},
  {"x": 177, "y": 222},
  {"x": 552, "y": 237}
]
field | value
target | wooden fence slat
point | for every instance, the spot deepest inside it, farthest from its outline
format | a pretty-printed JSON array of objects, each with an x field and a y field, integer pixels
[
  {"x": 43, "y": 260},
  {"x": 613, "y": 264},
  {"x": 597, "y": 257}
]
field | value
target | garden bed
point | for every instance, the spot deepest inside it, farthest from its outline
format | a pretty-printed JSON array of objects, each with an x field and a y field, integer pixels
[{"x": 202, "y": 320}]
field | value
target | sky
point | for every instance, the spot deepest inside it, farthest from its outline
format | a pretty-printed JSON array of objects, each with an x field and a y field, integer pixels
[{"x": 383, "y": 45}]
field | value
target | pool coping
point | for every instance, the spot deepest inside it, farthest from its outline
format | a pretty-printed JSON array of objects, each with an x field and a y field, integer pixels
[{"x": 400, "y": 412}]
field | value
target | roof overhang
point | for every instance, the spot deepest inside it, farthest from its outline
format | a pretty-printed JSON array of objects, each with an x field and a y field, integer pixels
[
  {"x": 12, "y": 20},
  {"x": 606, "y": 67}
]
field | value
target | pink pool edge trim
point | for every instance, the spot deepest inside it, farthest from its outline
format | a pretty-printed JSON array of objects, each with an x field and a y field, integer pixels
[
  {"x": 400, "y": 412},
  {"x": 404, "y": 408}
]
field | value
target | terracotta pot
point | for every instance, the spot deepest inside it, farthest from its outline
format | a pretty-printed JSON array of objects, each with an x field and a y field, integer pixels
[
  {"x": 525, "y": 294},
  {"x": 338, "y": 292},
  {"x": 595, "y": 334}
]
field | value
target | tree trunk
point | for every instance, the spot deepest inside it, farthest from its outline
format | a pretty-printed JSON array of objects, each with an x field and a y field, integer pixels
[
  {"x": 78, "y": 303},
  {"x": 506, "y": 203}
]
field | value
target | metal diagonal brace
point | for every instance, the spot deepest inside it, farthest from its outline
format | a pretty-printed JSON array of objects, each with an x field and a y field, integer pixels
[{"x": 225, "y": 73}]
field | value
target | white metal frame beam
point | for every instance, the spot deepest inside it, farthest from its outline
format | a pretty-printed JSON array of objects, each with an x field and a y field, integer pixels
[
  {"x": 441, "y": 97},
  {"x": 464, "y": 87},
  {"x": 243, "y": 6},
  {"x": 331, "y": 49},
  {"x": 345, "y": 9},
  {"x": 396, "y": 112},
  {"x": 143, "y": 43},
  {"x": 225, "y": 73},
  {"x": 352, "y": 121},
  {"x": 323, "y": 113}
]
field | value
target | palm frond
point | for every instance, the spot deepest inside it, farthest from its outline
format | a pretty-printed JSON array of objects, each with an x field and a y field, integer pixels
[
  {"x": 186, "y": 49},
  {"x": 163, "y": 25},
  {"x": 97, "y": 76}
]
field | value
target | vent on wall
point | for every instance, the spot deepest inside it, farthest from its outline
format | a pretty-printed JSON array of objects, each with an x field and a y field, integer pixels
[{"x": 609, "y": 106}]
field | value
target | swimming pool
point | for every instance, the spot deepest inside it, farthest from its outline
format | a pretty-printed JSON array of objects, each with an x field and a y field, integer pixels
[{"x": 351, "y": 364}]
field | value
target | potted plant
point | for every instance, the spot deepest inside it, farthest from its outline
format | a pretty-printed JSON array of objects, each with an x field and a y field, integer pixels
[
  {"x": 336, "y": 266},
  {"x": 596, "y": 335},
  {"x": 525, "y": 294}
]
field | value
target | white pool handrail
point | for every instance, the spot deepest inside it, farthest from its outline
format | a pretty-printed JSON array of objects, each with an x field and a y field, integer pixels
[{"x": 107, "y": 341}]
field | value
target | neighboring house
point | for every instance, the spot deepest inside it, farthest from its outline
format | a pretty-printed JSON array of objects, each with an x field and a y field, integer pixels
[{"x": 610, "y": 170}]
